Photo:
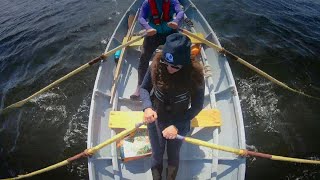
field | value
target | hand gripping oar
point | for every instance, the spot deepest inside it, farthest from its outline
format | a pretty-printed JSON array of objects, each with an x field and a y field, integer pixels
[
  {"x": 250, "y": 66},
  {"x": 76, "y": 71},
  {"x": 85, "y": 153},
  {"x": 244, "y": 152}
]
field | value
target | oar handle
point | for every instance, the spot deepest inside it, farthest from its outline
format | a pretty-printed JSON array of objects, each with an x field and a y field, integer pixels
[
  {"x": 140, "y": 124},
  {"x": 180, "y": 137}
]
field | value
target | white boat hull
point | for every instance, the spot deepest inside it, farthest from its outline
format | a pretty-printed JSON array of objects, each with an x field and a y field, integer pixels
[{"x": 196, "y": 162}]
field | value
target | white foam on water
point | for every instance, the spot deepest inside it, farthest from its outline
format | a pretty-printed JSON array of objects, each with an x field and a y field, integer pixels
[
  {"x": 44, "y": 97},
  {"x": 76, "y": 136},
  {"x": 259, "y": 100},
  {"x": 78, "y": 125},
  {"x": 105, "y": 41},
  {"x": 251, "y": 159},
  {"x": 47, "y": 102},
  {"x": 80, "y": 169}
]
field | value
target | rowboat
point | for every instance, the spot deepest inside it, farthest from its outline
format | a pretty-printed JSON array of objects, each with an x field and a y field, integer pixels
[{"x": 221, "y": 93}]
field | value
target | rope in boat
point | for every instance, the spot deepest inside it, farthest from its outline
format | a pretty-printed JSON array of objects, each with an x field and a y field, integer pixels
[
  {"x": 85, "y": 153},
  {"x": 244, "y": 152},
  {"x": 207, "y": 71},
  {"x": 250, "y": 66},
  {"x": 72, "y": 73}
]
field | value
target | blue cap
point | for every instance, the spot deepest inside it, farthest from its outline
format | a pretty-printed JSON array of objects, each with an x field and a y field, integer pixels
[{"x": 176, "y": 50}]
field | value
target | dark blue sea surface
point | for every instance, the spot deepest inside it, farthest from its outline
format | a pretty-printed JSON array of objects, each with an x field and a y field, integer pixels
[{"x": 40, "y": 41}]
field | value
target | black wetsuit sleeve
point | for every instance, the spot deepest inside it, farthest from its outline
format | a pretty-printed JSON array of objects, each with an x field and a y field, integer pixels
[{"x": 145, "y": 90}]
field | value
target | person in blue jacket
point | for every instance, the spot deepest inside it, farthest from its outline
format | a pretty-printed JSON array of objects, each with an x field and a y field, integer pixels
[
  {"x": 172, "y": 94},
  {"x": 156, "y": 17}
]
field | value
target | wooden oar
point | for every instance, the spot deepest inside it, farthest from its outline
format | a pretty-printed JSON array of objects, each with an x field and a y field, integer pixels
[
  {"x": 76, "y": 71},
  {"x": 85, "y": 153},
  {"x": 131, "y": 24},
  {"x": 244, "y": 152},
  {"x": 250, "y": 66}
]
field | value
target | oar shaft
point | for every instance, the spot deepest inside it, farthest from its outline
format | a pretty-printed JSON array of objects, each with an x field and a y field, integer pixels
[
  {"x": 121, "y": 135},
  {"x": 208, "y": 43},
  {"x": 22, "y": 102},
  {"x": 213, "y": 146},
  {"x": 76, "y": 71},
  {"x": 90, "y": 151},
  {"x": 296, "y": 160},
  {"x": 72, "y": 73},
  {"x": 245, "y": 63},
  {"x": 123, "y": 45},
  {"x": 235, "y": 57},
  {"x": 244, "y": 152},
  {"x": 255, "y": 69},
  {"x": 40, "y": 171},
  {"x": 282, "y": 158}
]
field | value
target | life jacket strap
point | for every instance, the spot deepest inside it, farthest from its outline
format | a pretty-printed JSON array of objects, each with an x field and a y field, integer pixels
[{"x": 166, "y": 10}]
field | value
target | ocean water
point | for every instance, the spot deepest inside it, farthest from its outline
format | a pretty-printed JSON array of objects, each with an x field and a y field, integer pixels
[{"x": 41, "y": 41}]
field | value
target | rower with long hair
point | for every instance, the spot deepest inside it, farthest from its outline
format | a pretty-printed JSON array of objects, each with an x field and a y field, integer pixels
[{"x": 172, "y": 94}]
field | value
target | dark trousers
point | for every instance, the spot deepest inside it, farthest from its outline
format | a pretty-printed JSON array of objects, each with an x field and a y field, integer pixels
[
  {"x": 158, "y": 143},
  {"x": 150, "y": 44}
]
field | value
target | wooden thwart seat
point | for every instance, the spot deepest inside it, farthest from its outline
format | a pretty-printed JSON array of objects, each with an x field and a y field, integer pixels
[
  {"x": 140, "y": 42},
  {"x": 128, "y": 119}
]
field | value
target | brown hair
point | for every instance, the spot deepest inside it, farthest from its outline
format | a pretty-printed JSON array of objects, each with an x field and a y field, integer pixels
[{"x": 164, "y": 79}]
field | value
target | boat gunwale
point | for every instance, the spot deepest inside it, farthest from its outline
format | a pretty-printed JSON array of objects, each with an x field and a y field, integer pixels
[
  {"x": 96, "y": 84},
  {"x": 235, "y": 97}
]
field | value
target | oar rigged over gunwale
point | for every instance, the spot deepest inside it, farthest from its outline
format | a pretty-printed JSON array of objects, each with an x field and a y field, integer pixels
[
  {"x": 85, "y": 153},
  {"x": 250, "y": 66},
  {"x": 72, "y": 73},
  {"x": 244, "y": 152}
]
